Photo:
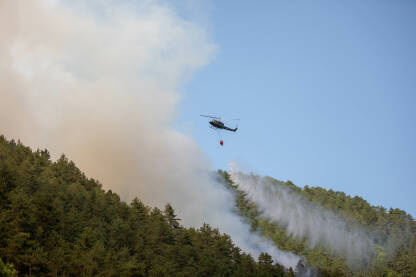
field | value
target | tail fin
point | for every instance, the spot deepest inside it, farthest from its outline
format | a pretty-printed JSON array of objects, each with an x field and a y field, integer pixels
[{"x": 235, "y": 129}]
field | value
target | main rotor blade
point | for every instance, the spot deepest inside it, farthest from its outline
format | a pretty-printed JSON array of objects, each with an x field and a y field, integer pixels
[
  {"x": 210, "y": 116},
  {"x": 224, "y": 118}
]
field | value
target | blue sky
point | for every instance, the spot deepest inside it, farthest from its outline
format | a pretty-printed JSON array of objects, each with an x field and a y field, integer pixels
[{"x": 325, "y": 91}]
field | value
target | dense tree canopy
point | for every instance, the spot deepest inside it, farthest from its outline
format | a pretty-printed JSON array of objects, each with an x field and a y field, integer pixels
[{"x": 56, "y": 221}]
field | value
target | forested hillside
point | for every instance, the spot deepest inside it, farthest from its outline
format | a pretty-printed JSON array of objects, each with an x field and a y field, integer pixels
[
  {"x": 54, "y": 221},
  {"x": 387, "y": 227}
]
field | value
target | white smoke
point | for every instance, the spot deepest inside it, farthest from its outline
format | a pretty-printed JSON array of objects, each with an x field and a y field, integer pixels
[
  {"x": 304, "y": 220},
  {"x": 99, "y": 81},
  {"x": 240, "y": 231}
]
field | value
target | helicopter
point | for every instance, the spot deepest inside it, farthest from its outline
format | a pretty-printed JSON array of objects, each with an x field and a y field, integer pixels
[{"x": 217, "y": 124}]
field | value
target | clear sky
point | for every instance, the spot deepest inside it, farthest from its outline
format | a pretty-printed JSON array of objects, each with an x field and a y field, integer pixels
[{"x": 325, "y": 91}]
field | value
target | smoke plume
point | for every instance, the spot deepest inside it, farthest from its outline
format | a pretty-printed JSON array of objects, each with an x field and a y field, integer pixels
[
  {"x": 98, "y": 81},
  {"x": 304, "y": 220}
]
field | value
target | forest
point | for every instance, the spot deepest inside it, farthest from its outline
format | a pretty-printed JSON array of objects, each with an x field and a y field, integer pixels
[
  {"x": 392, "y": 226},
  {"x": 54, "y": 221}
]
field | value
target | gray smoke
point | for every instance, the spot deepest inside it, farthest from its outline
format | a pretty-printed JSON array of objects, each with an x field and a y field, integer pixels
[
  {"x": 99, "y": 81},
  {"x": 304, "y": 220}
]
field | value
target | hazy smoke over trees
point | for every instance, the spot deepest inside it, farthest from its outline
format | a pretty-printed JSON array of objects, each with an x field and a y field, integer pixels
[
  {"x": 304, "y": 220},
  {"x": 98, "y": 81}
]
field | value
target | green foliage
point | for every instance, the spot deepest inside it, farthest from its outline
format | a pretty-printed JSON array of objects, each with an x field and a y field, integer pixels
[
  {"x": 395, "y": 229},
  {"x": 54, "y": 221},
  {"x": 7, "y": 270}
]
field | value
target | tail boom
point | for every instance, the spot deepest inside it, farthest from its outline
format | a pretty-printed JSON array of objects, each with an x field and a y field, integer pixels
[{"x": 232, "y": 130}]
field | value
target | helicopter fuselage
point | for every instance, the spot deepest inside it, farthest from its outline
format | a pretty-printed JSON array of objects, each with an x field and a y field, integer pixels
[{"x": 220, "y": 125}]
